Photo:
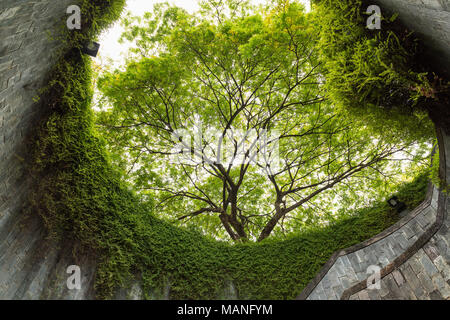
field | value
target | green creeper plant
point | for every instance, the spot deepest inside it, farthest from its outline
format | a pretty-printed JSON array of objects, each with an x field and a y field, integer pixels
[{"x": 82, "y": 197}]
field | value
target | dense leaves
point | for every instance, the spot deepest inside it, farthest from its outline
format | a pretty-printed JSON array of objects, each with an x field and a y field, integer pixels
[
  {"x": 82, "y": 198},
  {"x": 377, "y": 75},
  {"x": 241, "y": 96}
]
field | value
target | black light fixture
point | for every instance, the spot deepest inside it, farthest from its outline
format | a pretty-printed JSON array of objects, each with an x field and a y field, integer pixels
[
  {"x": 396, "y": 204},
  {"x": 393, "y": 202},
  {"x": 91, "y": 48}
]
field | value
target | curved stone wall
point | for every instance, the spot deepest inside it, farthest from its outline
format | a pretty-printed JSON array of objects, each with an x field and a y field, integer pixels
[
  {"x": 414, "y": 254},
  {"x": 430, "y": 19},
  {"x": 30, "y": 266},
  {"x": 425, "y": 272},
  {"x": 33, "y": 268},
  {"x": 348, "y": 267}
]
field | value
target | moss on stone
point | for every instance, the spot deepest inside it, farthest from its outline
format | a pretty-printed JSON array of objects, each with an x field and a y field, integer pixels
[{"x": 81, "y": 197}]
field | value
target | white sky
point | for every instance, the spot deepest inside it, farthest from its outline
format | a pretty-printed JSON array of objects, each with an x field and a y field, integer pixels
[{"x": 111, "y": 49}]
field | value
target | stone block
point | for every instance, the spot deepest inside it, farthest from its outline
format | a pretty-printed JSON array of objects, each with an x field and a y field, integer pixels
[
  {"x": 363, "y": 295},
  {"x": 401, "y": 240},
  {"x": 443, "y": 267},
  {"x": 436, "y": 295},
  {"x": 431, "y": 251},
  {"x": 429, "y": 267},
  {"x": 415, "y": 227},
  {"x": 398, "y": 277},
  {"x": 416, "y": 266},
  {"x": 413, "y": 282},
  {"x": 408, "y": 292},
  {"x": 441, "y": 285},
  {"x": 426, "y": 282},
  {"x": 394, "y": 291},
  {"x": 408, "y": 232}
]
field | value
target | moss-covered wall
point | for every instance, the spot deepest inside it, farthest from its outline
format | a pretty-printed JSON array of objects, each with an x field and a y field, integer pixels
[
  {"x": 430, "y": 19},
  {"x": 77, "y": 200},
  {"x": 27, "y": 53}
]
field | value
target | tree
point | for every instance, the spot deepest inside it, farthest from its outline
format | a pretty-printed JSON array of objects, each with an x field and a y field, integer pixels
[{"x": 221, "y": 118}]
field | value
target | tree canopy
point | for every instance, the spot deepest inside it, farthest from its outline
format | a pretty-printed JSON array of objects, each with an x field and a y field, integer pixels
[{"x": 223, "y": 120}]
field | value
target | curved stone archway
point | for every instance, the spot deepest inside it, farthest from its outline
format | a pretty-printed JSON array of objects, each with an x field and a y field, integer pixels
[{"x": 30, "y": 266}]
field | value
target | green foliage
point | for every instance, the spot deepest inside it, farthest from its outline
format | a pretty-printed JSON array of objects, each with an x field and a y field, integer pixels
[
  {"x": 81, "y": 197},
  {"x": 252, "y": 72},
  {"x": 379, "y": 71},
  {"x": 412, "y": 193},
  {"x": 96, "y": 16}
]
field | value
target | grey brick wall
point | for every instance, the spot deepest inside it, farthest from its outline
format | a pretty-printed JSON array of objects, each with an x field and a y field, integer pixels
[
  {"x": 425, "y": 275},
  {"x": 411, "y": 268},
  {"x": 351, "y": 266},
  {"x": 30, "y": 266}
]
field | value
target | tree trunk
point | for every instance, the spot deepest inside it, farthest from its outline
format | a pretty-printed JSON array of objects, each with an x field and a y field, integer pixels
[
  {"x": 279, "y": 212},
  {"x": 237, "y": 225},
  {"x": 226, "y": 223}
]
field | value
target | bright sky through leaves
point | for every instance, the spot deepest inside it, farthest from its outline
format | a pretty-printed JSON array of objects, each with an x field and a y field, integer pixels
[
  {"x": 251, "y": 74},
  {"x": 110, "y": 46}
]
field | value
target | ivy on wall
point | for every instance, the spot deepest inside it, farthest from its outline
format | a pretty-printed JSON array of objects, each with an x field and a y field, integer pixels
[{"x": 81, "y": 197}]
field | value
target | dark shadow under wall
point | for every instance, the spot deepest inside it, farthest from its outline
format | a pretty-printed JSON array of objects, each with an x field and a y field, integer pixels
[{"x": 430, "y": 20}]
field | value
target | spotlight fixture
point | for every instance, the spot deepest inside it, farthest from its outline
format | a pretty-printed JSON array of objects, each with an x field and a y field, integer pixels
[
  {"x": 396, "y": 204},
  {"x": 91, "y": 48}
]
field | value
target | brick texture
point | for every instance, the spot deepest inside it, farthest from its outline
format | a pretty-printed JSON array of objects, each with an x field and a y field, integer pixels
[{"x": 30, "y": 267}]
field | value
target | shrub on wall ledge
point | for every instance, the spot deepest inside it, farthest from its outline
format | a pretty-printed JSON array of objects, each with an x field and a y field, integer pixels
[{"x": 381, "y": 70}]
